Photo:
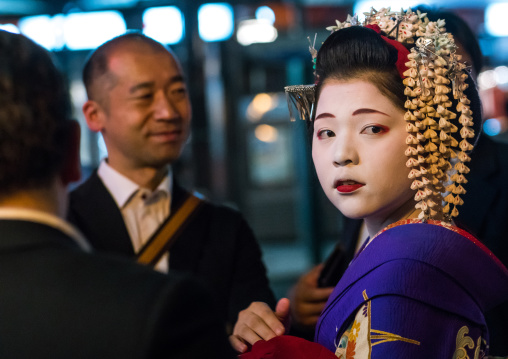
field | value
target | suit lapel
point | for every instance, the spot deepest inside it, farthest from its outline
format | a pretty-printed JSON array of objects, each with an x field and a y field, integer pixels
[
  {"x": 178, "y": 195},
  {"x": 103, "y": 223}
]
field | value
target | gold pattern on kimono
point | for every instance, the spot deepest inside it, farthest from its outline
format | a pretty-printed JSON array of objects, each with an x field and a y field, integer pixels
[
  {"x": 358, "y": 339},
  {"x": 464, "y": 341},
  {"x": 385, "y": 337}
]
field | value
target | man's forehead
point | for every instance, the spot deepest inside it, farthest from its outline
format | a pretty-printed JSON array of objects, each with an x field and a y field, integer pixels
[
  {"x": 140, "y": 66},
  {"x": 127, "y": 52},
  {"x": 131, "y": 51}
]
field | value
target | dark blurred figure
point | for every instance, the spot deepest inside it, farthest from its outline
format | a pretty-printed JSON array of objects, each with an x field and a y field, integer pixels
[
  {"x": 484, "y": 213},
  {"x": 57, "y": 300}
]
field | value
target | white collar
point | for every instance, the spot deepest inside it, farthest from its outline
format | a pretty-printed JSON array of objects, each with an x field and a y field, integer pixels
[
  {"x": 122, "y": 188},
  {"x": 36, "y": 216}
]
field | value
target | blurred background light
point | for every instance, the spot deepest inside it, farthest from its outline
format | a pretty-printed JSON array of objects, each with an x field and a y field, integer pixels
[
  {"x": 495, "y": 77},
  {"x": 215, "y": 22},
  {"x": 266, "y": 133},
  {"x": 495, "y": 19},
  {"x": 45, "y": 30},
  {"x": 492, "y": 127},
  {"x": 265, "y": 13},
  {"x": 164, "y": 24},
  {"x": 501, "y": 76},
  {"x": 261, "y": 104},
  {"x": 255, "y": 31},
  {"x": 10, "y": 28},
  {"x": 486, "y": 80},
  {"x": 84, "y": 31},
  {"x": 107, "y": 4}
]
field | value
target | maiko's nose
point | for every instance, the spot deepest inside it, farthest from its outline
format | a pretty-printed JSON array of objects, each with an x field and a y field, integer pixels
[{"x": 344, "y": 153}]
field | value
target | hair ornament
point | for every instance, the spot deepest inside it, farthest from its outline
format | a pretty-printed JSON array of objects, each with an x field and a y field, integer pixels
[
  {"x": 301, "y": 100},
  {"x": 432, "y": 74},
  {"x": 402, "y": 52},
  {"x": 313, "y": 52}
]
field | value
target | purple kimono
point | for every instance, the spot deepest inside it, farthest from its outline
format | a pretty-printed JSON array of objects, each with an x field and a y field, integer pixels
[{"x": 417, "y": 290}]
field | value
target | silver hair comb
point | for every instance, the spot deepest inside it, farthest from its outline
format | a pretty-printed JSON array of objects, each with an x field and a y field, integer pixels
[{"x": 301, "y": 101}]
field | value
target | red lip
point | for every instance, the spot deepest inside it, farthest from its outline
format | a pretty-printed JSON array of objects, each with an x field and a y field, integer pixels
[{"x": 348, "y": 186}]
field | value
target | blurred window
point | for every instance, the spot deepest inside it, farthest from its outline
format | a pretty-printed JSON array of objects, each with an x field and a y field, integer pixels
[
  {"x": 10, "y": 28},
  {"x": 495, "y": 19},
  {"x": 215, "y": 22},
  {"x": 45, "y": 30},
  {"x": 88, "y": 30},
  {"x": 164, "y": 24}
]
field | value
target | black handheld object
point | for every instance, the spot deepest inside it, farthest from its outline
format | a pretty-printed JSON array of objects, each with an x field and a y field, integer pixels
[{"x": 334, "y": 267}]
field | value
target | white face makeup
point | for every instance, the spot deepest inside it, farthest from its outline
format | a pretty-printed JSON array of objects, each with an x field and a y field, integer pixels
[{"x": 358, "y": 150}]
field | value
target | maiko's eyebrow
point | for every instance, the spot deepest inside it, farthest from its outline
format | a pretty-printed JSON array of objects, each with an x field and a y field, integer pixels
[
  {"x": 361, "y": 111},
  {"x": 324, "y": 115}
]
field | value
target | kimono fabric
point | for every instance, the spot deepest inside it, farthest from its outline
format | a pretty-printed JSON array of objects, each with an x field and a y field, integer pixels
[{"x": 417, "y": 290}]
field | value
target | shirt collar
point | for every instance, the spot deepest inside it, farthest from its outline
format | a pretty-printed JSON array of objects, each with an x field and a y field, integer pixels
[
  {"x": 48, "y": 219},
  {"x": 122, "y": 189}
]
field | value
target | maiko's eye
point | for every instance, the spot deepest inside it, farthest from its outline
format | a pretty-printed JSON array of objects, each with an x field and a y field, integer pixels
[
  {"x": 324, "y": 134},
  {"x": 375, "y": 130}
]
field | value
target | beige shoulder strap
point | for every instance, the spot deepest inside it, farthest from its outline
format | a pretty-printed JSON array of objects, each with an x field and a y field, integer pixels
[{"x": 162, "y": 240}]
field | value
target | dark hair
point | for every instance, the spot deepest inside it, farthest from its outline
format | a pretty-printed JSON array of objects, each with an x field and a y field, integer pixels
[
  {"x": 360, "y": 53},
  {"x": 34, "y": 115},
  {"x": 96, "y": 64}
]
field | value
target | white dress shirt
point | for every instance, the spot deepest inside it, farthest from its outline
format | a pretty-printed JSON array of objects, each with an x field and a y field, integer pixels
[{"x": 143, "y": 210}]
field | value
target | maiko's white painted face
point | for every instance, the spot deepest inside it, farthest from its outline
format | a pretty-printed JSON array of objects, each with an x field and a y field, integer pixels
[{"x": 358, "y": 150}]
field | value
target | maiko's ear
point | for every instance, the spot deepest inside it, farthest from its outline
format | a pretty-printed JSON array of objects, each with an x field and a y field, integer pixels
[
  {"x": 94, "y": 115},
  {"x": 71, "y": 169}
]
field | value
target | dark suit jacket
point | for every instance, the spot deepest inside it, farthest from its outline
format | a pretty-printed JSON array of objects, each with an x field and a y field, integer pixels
[
  {"x": 57, "y": 301},
  {"x": 217, "y": 247},
  {"x": 485, "y": 209}
]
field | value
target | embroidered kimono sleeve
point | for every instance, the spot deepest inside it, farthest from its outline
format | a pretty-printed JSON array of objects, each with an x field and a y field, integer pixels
[{"x": 394, "y": 326}]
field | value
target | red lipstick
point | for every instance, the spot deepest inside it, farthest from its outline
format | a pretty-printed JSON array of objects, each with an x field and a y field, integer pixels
[{"x": 348, "y": 186}]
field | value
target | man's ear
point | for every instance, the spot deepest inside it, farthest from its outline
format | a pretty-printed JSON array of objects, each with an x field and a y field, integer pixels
[
  {"x": 71, "y": 169},
  {"x": 94, "y": 115}
]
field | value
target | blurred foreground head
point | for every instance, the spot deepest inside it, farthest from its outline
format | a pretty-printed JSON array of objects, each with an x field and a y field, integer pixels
[{"x": 35, "y": 125}]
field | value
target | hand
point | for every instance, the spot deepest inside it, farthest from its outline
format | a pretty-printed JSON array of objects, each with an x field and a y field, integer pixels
[
  {"x": 259, "y": 322},
  {"x": 307, "y": 299}
]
